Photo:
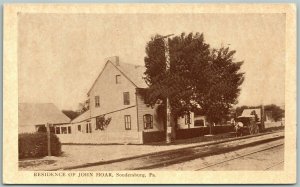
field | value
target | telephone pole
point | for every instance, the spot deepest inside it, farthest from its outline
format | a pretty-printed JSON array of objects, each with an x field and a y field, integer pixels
[
  {"x": 48, "y": 139},
  {"x": 168, "y": 107}
]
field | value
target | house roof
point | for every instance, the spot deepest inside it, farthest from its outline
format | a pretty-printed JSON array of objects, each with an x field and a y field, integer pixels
[
  {"x": 134, "y": 73},
  {"x": 40, "y": 113},
  {"x": 82, "y": 117},
  {"x": 247, "y": 112}
]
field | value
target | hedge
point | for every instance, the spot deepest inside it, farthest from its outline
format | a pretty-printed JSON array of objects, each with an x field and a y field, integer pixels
[
  {"x": 34, "y": 145},
  {"x": 155, "y": 136},
  {"x": 222, "y": 129},
  {"x": 201, "y": 131},
  {"x": 158, "y": 136}
]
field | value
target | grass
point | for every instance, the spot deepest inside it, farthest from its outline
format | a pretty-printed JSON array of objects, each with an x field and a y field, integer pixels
[
  {"x": 34, "y": 163},
  {"x": 272, "y": 129}
]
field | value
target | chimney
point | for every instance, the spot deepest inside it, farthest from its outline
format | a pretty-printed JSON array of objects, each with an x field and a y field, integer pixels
[{"x": 113, "y": 59}]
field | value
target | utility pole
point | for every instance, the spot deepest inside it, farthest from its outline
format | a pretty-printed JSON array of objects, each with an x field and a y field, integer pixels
[
  {"x": 262, "y": 116},
  {"x": 48, "y": 139},
  {"x": 168, "y": 122}
]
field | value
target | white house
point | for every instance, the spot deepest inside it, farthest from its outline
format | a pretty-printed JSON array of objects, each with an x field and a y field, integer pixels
[
  {"x": 116, "y": 94},
  {"x": 33, "y": 116}
]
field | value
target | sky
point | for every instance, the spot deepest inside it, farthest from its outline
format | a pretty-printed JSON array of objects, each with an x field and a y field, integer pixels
[{"x": 60, "y": 55}]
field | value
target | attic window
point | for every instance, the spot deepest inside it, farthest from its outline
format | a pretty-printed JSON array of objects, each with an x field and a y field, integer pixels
[
  {"x": 97, "y": 101},
  {"x": 118, "y": 79},
  {"x": 126, "y": 98}
]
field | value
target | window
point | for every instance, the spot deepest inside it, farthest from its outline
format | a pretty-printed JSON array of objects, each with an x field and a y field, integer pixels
[
  {"x": 88, "y": 128},
  {"x": 79, "y": 127},
  {"x": 69, "y": 129},
  {"x": 57, "y": 131},
  {"x": 97, "y": 101},
  {"x": 52, "y": 130},
  {"x": 118, "y": 79},
  {"x": 187, "y": 119},
  {"x": 127, "y": 122},
  {"x": 148, "y": 121},
  {"x": 64, "y": 130},
  {"x": 126, "y": 98},
  {"x": 199, "y": 122}
]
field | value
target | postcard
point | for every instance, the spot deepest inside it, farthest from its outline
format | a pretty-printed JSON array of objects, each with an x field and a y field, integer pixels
[{"x": 149, "y": 94}]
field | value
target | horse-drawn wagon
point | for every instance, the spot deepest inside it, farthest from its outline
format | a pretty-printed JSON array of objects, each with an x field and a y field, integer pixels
[{"x": 247, "y": 125}]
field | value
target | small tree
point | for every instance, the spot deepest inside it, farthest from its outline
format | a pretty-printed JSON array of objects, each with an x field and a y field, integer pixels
[
  {"x": 102, "y": 123},
  {"x": 82, "y": 107}
]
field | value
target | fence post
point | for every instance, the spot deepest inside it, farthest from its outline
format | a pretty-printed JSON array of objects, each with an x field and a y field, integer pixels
[{"x": 48, "y": 139}]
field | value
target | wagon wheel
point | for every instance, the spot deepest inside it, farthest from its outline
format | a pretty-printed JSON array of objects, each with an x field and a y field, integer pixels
[
  {"x": 252, "y": 128},
  {"x": 256, "y": 129}
]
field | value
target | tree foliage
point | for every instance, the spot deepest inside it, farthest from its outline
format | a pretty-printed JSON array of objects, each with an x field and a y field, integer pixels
[
  {"x": 83, "y": 107},
  {"x": 223, "y": 88},
  {"x": 199, "y": 79},
  {"x": 276, "y": 111}
]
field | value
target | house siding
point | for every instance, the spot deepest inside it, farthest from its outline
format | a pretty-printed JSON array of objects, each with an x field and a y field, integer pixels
[
  {"x": 143, "y": 109},
  {"x": 115, "y": 132},
  {"x": 110, "y": 93},
  {"x": 111, "y": 106}
]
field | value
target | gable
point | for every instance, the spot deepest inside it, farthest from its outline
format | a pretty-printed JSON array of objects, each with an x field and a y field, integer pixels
[{"x": 133, "y": 73}]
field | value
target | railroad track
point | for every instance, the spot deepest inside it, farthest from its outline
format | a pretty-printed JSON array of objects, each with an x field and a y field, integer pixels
[
  {"x": 246, "y": 155},
  {"x": 165, "y": 159}
]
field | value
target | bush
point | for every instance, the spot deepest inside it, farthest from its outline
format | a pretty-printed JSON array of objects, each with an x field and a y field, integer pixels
[
  {"x": 155, "y": 136},
  {"x": 222, "y": 129},
  {"x": 34, "y": 145},
  {"x": 191, "y": 133},
  {"x": 196, "y": 132}
]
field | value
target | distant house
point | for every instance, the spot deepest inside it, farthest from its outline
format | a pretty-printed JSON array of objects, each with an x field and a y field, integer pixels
[
  {"x": 35, "y": 116},
  {"x": 192, "y": 120},
  {"x": 117, "y": 94},
  {"x": 251, "y": 111},
  {"x": 268, "y": 114}
]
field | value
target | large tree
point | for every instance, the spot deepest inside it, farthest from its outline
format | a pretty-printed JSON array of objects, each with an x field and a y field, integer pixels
[
  {"x": 177, "y": 82},
  {"x": 276, "y": 111},
  {"x": 199, "y": 79},
  {"x": 222, "y": 87}
]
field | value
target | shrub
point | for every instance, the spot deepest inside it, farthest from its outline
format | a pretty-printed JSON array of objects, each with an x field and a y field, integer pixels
[
  {"x": 191, "y": 133},
  {"x": 222, "y": 129},
  {"x": 155, "y": 136},
  {"x": 34, "y": 145},
  {"x": 196, "y": 132}
]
